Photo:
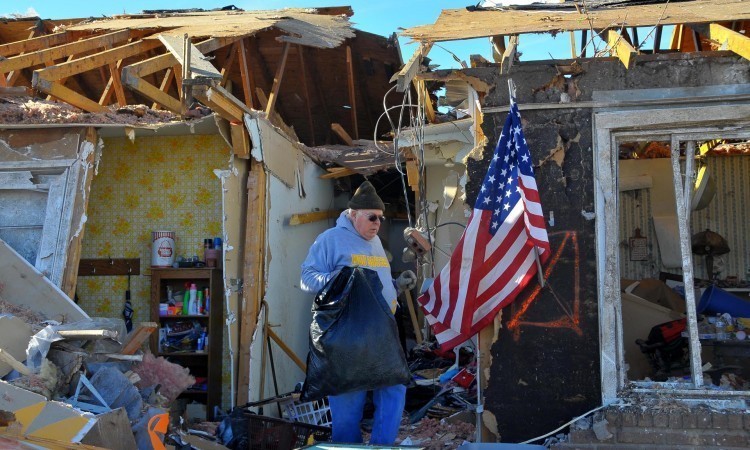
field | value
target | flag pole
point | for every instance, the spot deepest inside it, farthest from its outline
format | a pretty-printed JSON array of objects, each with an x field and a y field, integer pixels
[
  {"x": 480, "y": 403},
  {"x": 539, "y": 273}
]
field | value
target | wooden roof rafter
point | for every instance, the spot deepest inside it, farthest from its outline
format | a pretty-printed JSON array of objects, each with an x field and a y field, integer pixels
[{"x": 47, "y": 79}]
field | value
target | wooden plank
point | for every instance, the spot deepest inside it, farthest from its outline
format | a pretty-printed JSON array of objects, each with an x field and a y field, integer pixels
[
  {"x": 232, "y": 107},
  {"x": 620, "y": 47},
  {"x": 218, "y": 104},
  {"x": 412, "y": 174},
  {"x": 253, "y": 272},
  {"x": 137, "y": 337},
  {"x": 352, "y": 92},
  {"x": 293, "y": 356},
  {"x": 246, "y": 73},
  {"x": 166, "y": 82},
  {"x": 509, "y": 57},
  {"x": 573, "y": 49},
  {"x": 161, "y": 62},
  {"x": 17, "y": 91},
  {"x": 676, "y": 40},
  {"x": 340, "y": 132},
  {"x": 730, "y": 40},
  {"x": 18, "y": 366},
  {"x": 413, "y": 316},
  {"x": 68, "y": 95},
  {"x": 316, "y": 216},
  {"x": 498, "y": 47},
  {"x": 39, "y": 57},
  {"x": 411, "y": 68},
  {"x": 429, "y": 110},
  {"x": 34, "y": 44},
  {"x": 74, "y": 239},
  {"x": 109, "y": 266},
  {"x": 277, "y": 79},
  {"x": 114, "y": 83},
  {"x": 89, "y": 62},
  {"x": 152, "y": 92},
  {"x": 199, "y": 65},
  {"x": 343, "y": 172},
  {"x": 303, "y": 76},
  {"x": 226, "y": 66},
  {"x": 240, "y": 140}
]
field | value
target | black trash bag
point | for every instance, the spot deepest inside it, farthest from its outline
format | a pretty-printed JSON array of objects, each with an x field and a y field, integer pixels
[{"x": 354, "y": 342}]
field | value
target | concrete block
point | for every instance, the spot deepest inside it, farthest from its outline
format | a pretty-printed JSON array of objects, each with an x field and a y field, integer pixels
[
  {"x": 661, "y": 419},
  {"x": 735, "y": 421},
  {"x": 629, "y": 418},
  {"x": 613, "y": 416},
  {"x": 675, "y": 419},
  {"x": 582, "y": 436},
  {"x": 702, "y": 417},
  {"x": 720, "y": 420},
  {"x": 645, "y": 419},
  {"x": 650, "y": 436},
  {"x": 689, "y": 421}
]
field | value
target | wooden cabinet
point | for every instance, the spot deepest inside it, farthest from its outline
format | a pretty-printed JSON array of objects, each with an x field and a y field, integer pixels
[{"x": 179, "y": 335}]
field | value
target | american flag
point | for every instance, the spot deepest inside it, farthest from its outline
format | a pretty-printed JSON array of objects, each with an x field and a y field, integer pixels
[{"x": 495, "y": 257}]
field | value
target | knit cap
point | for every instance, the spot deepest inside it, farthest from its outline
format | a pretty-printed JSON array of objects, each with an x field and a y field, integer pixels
[{"x": 365, "y": 197}]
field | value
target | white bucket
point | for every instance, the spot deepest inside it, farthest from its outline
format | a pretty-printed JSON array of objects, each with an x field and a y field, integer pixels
[{"x": 162, "y": 250}]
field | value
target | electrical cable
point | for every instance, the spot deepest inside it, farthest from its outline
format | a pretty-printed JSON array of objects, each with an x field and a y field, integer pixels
[{"x": 567, "y": 424}]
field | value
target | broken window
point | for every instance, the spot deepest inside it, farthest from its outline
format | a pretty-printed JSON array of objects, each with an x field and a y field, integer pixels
[{"x": 673, "y": 198}]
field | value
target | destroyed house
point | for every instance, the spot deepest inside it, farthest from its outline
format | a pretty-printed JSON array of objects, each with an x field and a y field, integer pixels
[
  {"x": 218, "y": 142},
  {"x": 639, "y": 147}
]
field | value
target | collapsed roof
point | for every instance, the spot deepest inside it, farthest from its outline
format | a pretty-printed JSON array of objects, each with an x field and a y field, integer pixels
[{"x": 307, "y": 67}]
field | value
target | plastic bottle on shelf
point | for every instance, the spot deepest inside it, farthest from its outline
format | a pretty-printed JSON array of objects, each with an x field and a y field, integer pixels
[
  {"x": 721, "y": 328},
  {"x": 204, "y": 306},
  {"x": 193, "y": 298},
  {"x": 208, "y": 301},
  {"x": 197, "y": 310},
  {"x": 186, "y": 300}
]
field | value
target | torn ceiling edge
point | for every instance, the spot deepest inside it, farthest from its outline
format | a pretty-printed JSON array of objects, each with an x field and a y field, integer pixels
[
  {"x": 301, "y": 25},
  {"x": 459, "y": 24},
  {"x": 457, "y": 130},
  {"x": 365, "y": 157},
  {"x": 204, "y": 125}
]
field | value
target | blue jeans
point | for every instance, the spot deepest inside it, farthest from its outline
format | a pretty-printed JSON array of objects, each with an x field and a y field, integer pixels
[{"x": 347, "y": 410}]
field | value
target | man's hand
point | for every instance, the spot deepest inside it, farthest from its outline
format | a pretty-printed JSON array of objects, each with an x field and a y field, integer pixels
[{"x": 406, "y": 281}]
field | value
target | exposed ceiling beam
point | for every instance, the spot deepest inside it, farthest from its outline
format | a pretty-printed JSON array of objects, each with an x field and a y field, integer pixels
[
  {"x": 411, "y": 68},
  {"x": 39, "y": 57},
  {"x": 246, "y": 74},
  {"x": 308, "y": 107},
  {"x": 620, "y": 47},
  {"x": 161, "y": 62},
  {"x": 509, "y": 57},
  {"x": 152, "y": 92},
  {"x": 86, "y": 63},
  {"x": 277, "y": 79},
  {"x": 730, "y": 40},
  {"x": 34, "y": 44},
  {"x": 352, "y": 92}
]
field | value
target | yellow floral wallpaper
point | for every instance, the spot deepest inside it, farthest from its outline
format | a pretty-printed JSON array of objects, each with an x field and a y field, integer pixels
[{"x": 155, "y": 183}]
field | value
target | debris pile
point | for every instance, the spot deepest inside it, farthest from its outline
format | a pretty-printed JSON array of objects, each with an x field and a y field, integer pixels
[
  {"x": 71, "y": 381},
  {"x": 30, "y": 110}
]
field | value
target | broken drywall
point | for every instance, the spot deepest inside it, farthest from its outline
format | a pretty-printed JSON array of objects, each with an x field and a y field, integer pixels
[{"x": 22, "y": 285}]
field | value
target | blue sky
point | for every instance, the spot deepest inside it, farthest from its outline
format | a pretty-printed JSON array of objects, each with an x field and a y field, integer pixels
[{"x": 376, "y": 16}]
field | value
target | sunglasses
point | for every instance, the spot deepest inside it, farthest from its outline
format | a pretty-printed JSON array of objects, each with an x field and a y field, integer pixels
[{"x": 375, "y": 218}]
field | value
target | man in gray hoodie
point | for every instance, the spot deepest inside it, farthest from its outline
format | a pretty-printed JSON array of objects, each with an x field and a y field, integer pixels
[{"x": 354, "y": 241}]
